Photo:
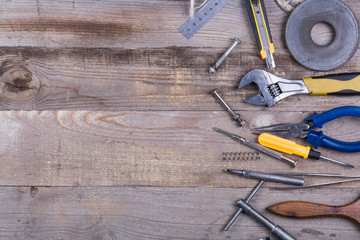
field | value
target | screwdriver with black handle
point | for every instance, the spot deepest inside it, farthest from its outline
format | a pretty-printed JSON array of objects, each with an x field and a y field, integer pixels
[
  {"x": 290, "y": 147},
  {"x": 260, "y": 25}
]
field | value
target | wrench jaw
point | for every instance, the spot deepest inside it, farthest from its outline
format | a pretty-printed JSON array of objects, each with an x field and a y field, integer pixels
[
  {"x": 262, "y": 80},
  {"x": 272, "y": 88}
]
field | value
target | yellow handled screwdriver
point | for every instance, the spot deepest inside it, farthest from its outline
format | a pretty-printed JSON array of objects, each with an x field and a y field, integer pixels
[{"x": 290, "y": 147}]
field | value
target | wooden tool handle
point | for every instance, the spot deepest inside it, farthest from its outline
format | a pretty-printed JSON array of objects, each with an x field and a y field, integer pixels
[
  {"x": 339, "y": 84},
  {"x": 300, "y": 209}
]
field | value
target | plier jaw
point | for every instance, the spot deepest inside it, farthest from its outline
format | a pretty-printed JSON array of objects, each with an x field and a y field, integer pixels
[
  {"x": 316, "y": 138},
  {"x": 286, "y": 130}
]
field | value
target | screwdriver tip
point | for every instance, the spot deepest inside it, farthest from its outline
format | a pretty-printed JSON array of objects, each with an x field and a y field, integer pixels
[{"x": 349, "y": 165}]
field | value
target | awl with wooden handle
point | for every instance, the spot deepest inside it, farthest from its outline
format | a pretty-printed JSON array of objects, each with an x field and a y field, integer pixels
[{"x": 300, "y": 209}]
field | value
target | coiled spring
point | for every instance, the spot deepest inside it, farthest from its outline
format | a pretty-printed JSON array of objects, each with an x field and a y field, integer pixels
[
  {"x": 274, "y": 90},
  {"x": 241, "y": 155}
]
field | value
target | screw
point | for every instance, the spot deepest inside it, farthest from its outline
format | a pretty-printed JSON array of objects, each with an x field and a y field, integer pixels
[
  {"x": 236, "y": 116},
  {"x": 213, "y": 69}
]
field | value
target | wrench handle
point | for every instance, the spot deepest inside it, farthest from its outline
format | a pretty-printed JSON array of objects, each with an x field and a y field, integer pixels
[{"x": 337, "y": 84}]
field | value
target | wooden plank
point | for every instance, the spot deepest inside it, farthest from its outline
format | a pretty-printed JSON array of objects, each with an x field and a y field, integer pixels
[
  {"x": 126, "y": 23},
  {"x": 158, "y": 213},
  {"x": 165, "y": 148},
  {"x": 138, "y": 79},
  {"x": 57, "y": 55}
]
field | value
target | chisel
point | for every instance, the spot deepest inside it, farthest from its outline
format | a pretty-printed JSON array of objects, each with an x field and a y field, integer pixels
[{"x": 260, "y": 25}]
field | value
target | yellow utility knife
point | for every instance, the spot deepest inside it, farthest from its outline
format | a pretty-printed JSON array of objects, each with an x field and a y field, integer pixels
[
  {"x": 260, "y": 25},
  {"x": 273, "y": 88}
]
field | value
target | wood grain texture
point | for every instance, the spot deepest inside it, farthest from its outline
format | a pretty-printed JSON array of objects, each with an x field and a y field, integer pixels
[
  {"x": 303, "y": 209},
  {"x": 156, "y": 213},
  {"x": 116, "y": 141},
  {"x": 94, "y": 148},
  {"x": 121, "y": 55}
]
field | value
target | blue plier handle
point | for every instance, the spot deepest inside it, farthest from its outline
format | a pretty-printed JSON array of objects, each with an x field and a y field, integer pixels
[{"x": 317, "y": 138}]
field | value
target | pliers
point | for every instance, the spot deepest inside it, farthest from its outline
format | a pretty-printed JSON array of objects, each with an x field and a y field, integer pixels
[{"x": 316, "y": 138}]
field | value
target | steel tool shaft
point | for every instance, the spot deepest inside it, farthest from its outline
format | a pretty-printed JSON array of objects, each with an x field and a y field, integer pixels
[
  {"x": 290, "y": 147},
  {"x": 275, "y": 229},
  {"x": 258, "y": 147},
  {"x": 248, "y": 199},
  {"x": 267, "y": 177}
]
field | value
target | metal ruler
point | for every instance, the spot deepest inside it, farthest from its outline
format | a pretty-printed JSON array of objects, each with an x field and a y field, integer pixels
[{"x": 210, "y": 9}]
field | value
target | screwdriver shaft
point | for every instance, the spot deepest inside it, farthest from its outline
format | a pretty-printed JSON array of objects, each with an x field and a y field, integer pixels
[
  {"x": 258, "y": 147},
  {"x": 290, "y": 147},
  {"x": 336, "y": 161}
]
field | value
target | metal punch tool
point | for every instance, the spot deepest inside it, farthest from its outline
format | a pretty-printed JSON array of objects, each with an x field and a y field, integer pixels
[
  {"x": 258, "y": 147},
  {"x": 244, "y": 205},
  {"x": 316, "y": 138},
  {"x": 273, "y": 88}
]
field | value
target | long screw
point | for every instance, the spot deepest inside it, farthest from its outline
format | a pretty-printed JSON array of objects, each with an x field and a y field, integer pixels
[
  {"x": 213, "y": 69},
  {"x": 247, "y": 200},
  {"x": 227, "y": 107}
]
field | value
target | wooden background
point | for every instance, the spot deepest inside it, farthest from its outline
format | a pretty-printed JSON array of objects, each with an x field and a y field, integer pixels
[{"x": 106, "y": 124}]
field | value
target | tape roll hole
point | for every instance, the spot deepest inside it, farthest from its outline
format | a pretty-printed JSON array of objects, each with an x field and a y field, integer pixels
[{"x": 322, "y": 34}]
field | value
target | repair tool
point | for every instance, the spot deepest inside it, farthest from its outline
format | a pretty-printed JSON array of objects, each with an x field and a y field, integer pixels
[
  {"x": 214, "y": 68},
  {"x": 227, "y": 107},
  {"x": 289, "y": 5},
  {"x": 347, "y": 179},
  {"x": 267, "y": 177},
  {"x": 276, "y": 230},
  {"x": 303, "y": 48},
  {"x": 201, "y": 17},
  {"x": 316, "y": 138},
  {"x": 260, "y": 26},
  {"x": 273, "y": 88},
  {"x": 290, "y": 147},
  {"x": 240, "y": 156},
  {"x": 301, "y": 209},
  {"x": 258, "y": 147},
  {"x": 248, "y": 199},
  {"x": 244, "y": 206}
]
